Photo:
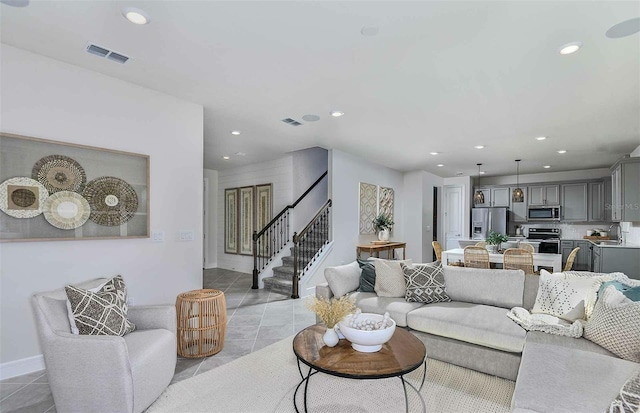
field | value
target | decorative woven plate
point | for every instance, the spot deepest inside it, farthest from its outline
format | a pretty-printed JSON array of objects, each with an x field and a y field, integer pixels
[
  {"x": 22, "y": 197},
  {"x": 113, "y": 201},
  {"x": 59, "y": 173},
  {"x": 66, "y": 210}
]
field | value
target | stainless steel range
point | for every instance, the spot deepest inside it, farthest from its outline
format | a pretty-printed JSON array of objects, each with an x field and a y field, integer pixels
[{"x": 549, "y": 239}]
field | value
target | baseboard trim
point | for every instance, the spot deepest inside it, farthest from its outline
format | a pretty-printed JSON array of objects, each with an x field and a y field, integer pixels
[
  {"x": 208, "y": 266},
  {"x": 22, "y": 366}
]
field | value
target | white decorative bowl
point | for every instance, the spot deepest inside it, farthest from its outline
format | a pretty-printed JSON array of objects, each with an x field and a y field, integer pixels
[{"x": 366, "y": 341}]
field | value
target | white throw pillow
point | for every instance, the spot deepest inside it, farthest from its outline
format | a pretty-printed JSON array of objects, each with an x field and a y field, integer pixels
[
  {"x": 615, "y": 325},
  {"x": 343, "y": 279},
  {"x": 563, "y": 297},
  {"x": 390, "y": 278}
]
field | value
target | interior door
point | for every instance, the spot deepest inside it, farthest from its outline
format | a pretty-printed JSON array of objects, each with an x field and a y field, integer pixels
[{"x": 453, "y": 215}]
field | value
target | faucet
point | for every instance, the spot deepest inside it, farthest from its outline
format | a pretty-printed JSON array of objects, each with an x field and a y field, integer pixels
[{"x": 618, "y": 232}]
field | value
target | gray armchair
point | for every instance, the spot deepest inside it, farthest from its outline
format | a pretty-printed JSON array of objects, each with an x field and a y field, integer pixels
[{"x": 106, "y": 373}]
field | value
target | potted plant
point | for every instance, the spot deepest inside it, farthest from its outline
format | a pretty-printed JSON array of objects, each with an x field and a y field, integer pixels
[
  {"x": 494, "y": 240},
  {"x": 383, "y": 224}
]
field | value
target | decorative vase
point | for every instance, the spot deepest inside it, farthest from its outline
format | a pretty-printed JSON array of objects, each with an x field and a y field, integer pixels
[
  {"x": 330, "y": 337},
  {"x": 383, "y": 235},
  {"x": 492, "y": 248}
]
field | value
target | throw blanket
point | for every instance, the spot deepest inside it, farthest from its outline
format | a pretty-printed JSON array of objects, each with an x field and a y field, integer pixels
[{"x": 545, "y": 323}]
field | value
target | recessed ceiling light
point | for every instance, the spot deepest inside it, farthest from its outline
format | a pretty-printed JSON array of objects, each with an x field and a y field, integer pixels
[
  {"x": 547, "y": 166},
  {"x": 482, "y": 172},
  {"x": 136, "y": 16},
  {"x": 235, "y": 132},
  {"x": 440, "y": 165},
  {"x": 226, "y": 158},
  {"x": 562, "y": 151},
  {"x": 541, "y": 138},
  {"x": 570, "y": 48},
  {"x": 479, "y": 146},
  {"x": 434, "y": 153},
  {"x": 369, "y": 31},
  {"x": 624, "y": 29},
  {"x": 336, "y": 113},
  {"x": 311, "y": 118}
]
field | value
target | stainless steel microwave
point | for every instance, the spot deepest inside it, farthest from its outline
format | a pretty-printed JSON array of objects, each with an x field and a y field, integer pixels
[{"x": 543, "y": 213}]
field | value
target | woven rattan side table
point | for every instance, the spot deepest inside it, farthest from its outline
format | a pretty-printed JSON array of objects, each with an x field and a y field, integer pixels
[{"x": 202, "y": 322}]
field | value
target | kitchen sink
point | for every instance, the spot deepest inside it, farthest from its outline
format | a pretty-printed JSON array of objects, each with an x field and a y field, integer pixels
[{"x": 607, "y": 242}]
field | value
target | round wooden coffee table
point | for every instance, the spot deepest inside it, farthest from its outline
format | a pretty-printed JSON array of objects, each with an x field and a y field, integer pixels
[{"x": 401, "y": 355}]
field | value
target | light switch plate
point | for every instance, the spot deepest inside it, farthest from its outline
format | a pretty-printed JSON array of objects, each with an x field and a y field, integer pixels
[
  {"x": 157, "y": 236},
  {"x": 185, "y": 235}
]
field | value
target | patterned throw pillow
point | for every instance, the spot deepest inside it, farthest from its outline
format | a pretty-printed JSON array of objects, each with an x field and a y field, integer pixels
[
  {"x": 103, "y": 312},
  {"x": 615, "y": 325},
  {"x": 628, "y": 399},
  {"x": 367, "y": 277},
  {"x": 425, "y": 283},
  {"x": 389, "y": 278},
  {"x": 565, "y": 297}
]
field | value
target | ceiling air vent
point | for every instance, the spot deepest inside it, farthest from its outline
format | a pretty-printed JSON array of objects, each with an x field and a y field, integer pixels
[
  {"x": 291, "y": 122},
  {"x": 104, "y": 52},
  {"x": 117, "y": 57}
]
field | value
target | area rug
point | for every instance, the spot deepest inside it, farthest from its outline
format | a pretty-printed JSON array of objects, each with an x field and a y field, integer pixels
[{"x": 265, "y": 381}]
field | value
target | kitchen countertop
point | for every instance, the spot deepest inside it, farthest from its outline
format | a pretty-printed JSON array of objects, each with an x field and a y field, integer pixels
[{"x": 625, "y": 245}]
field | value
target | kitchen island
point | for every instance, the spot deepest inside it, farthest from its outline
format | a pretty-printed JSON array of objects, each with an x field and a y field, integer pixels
[{"x": 539, "y": 260}]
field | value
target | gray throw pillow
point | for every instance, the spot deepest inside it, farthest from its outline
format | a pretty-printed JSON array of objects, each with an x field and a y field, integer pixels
[
  {"x": 367, "y": 277},
  {"x": 103, "y": 312},
  {"x": 425, "y": 283}
]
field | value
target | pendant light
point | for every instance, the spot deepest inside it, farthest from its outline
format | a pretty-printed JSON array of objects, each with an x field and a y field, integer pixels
[
  {"x": 518, "y": 193},
  {"x": 478, "y": 197}
]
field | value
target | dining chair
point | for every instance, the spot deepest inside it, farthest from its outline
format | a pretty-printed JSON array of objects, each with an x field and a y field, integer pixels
[
  {"x": 570, "y": 259},
  {"x": 476, "y": 257},
  {"x": 482, "y": 244},
  {"x": 437, "y": 248},
  {"x": 518, "y": 259},
  {"x": 527, "y": 247}
]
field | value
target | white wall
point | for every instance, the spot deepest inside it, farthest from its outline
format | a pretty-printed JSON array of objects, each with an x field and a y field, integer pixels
[
  {"x": 308, "y": 166},
  {"x": 211, "y": 245},
  {"x": 277, "y": 172},
  {"x": 45, "y": 98},
  {"x": 346, "y": 171},
  {"x": 418, "y": 214}
]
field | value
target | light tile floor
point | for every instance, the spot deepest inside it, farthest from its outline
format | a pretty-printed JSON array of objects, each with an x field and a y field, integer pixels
[{"x": 256, "y": 318}]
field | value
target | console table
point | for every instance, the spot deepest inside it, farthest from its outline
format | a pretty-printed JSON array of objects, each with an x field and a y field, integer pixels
[{"x": 390, "y": 247}]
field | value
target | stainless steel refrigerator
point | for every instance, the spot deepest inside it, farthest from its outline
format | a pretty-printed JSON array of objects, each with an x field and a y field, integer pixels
[{"x": 484, "y": 220}]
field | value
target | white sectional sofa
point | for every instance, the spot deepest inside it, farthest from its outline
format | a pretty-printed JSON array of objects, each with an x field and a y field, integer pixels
[{"x": 552, "y": 373}]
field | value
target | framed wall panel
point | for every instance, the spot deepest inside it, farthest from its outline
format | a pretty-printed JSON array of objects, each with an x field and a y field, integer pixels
[
  {"x": 246, "y": 214},
  {"x": 385, "y": 201},
  {"x": 231, "y": 220},
  {"x": 264, "y": 212},
  {"x": 368, "y": 207},
  {"x": 54, "y": 191}
]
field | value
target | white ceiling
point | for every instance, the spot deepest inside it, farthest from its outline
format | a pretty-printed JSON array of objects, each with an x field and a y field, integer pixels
[{"x": 439, "y": 76}]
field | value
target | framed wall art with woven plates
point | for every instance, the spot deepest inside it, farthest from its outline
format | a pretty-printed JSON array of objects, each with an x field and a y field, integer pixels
[{"x": 53, "y": 190}]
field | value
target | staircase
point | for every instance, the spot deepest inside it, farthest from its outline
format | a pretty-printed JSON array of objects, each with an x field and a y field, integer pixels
[
  {"x": 282, "y": 279},
  {"x": 307, "y": 246}
]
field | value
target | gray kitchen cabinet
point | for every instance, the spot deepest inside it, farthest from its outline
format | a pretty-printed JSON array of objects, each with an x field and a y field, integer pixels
[
  {"x": 500, "y": 197},
  {"x": 518, "y": 209},
  {"x": 544, "y": 195},
  {"x": 625, "y": 178},
  {"x": 574, "y": 202},
  {"x": 596, "y": 267},
  {"x": 619, "y": 259},
  {"x": 487, "y": 197},
  {"x": 596, "y": 206}
]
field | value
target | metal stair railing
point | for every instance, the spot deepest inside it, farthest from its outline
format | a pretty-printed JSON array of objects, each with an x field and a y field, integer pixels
[
  {"x": 270, "y": 240},
  {"x": 309, "y": 243}
]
